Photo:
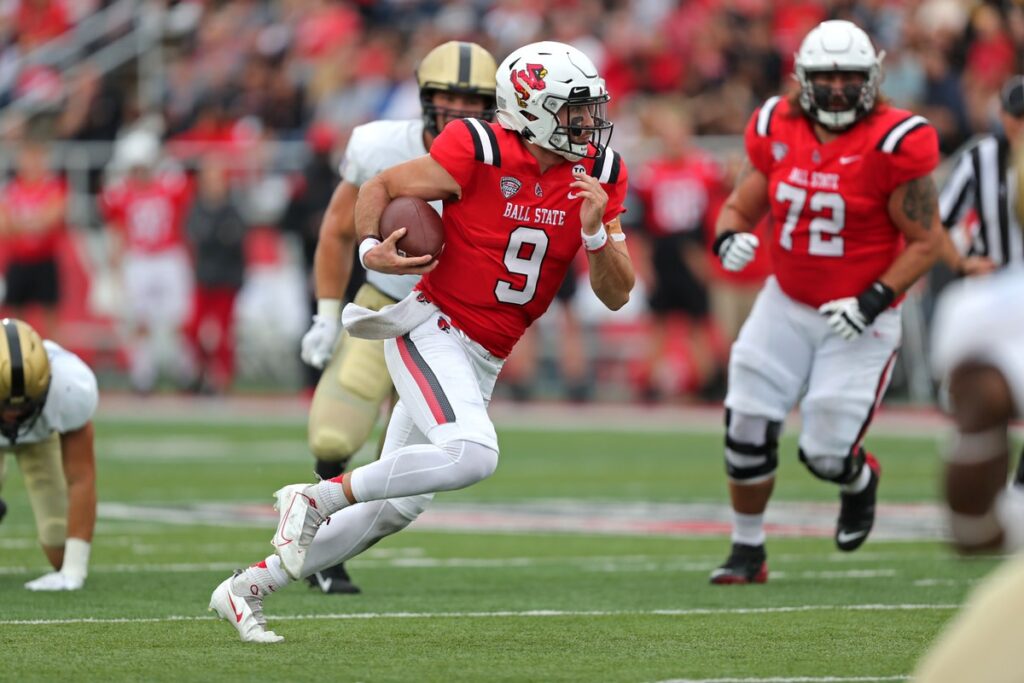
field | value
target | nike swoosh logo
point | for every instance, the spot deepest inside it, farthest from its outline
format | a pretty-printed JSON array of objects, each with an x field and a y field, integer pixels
[
  {"x": 849, "y": 160},
  {"x": 573, "y": 195},
  {"x": 238, "y": 615},
  {"x": 325, "y": 584},
  {"x": 843, "y": 536}
]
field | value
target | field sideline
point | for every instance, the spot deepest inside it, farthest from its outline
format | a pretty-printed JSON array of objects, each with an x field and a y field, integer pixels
[{"x": 584, "y": 558}]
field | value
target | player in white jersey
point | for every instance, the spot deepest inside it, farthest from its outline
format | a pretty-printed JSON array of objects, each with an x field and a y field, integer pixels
[
  {"x": 456, "y": 80},
  {"x": 47, "y": 400},
  {"x": 978, "y": 353}
]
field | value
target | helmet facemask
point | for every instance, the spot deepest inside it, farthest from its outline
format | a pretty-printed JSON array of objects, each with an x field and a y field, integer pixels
[
  {"x": 818, "y": 100},
  {"x": 586, "y": 130},
  {"x": 838, "y": 46},
  {"x": 554, "y": 97},
  {"x": 432, "y": 113},
  {"x": 456, "y": 68}
]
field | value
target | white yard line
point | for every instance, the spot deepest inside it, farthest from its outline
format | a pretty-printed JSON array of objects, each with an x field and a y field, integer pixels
[
  {"x": 597, "y": 564},
  {"x": 503, "y": 614}
]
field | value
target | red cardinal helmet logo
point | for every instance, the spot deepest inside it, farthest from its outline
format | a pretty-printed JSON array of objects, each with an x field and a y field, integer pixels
[{"x": 528, "y": 80}]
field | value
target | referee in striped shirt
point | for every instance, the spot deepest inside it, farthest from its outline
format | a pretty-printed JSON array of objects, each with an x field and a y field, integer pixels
[{"x": 984, "y": 180}]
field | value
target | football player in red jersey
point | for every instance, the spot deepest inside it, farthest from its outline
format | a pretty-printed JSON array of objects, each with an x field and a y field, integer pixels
[
  {"x": 518, "y": 196},
  {"x": 846, "y": 179}
]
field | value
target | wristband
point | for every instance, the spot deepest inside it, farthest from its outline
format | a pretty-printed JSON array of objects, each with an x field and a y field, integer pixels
[
  {"x": 595, "y": 242},
  {"x": 366, "y": 245},
  {"x": 977, "y": 447},
  {"x": 875, "y": 299},
  {"x": 329, "y": 308},
  {"x": 76, "y": 558},
  {"x": 716, "y": 246}
]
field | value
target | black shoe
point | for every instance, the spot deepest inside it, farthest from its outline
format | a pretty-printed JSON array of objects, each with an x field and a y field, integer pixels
[
  {"x": 3, "y": 508},
  {"x": 746, "y": 564},
  {"x": 857, "y": 511},
  {"x": 333, "y": 580}
]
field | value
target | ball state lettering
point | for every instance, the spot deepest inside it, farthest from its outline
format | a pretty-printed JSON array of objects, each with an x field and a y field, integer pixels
[{"x": 541, "y": 216}]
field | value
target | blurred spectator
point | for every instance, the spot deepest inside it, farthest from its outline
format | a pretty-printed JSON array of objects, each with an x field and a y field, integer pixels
[
  {"x": 306, "y": 210},
  {"x": 33, "y": 209},
  {"x": 146, "y": 208},
  {"x": 216, "y": 234},
  {"x": 93, "y": 109},
  {"x": 39, "y": 21},
  {"x": 678, "y": 189}
]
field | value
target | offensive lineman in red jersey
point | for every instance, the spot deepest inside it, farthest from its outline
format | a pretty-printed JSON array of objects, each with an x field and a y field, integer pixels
[
  {"x": 517, "y": 196},
  {"x": 847, "y": 182}
]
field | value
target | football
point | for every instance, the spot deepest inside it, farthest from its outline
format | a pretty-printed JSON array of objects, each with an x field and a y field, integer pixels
[{"x": 424, "y": 230}]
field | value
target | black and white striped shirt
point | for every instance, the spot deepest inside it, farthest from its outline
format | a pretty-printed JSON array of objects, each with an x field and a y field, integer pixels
[{"x": 983, "y": 179}]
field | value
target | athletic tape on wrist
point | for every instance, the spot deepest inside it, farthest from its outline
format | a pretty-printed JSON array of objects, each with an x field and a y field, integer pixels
[
  {"x": 975, "y": 530},
  {"x": 76, "y": 558},
  {"x": 366, "y": 245},
  {"x": 329, "y": 308},
  {"x": 596, "y": 241}
]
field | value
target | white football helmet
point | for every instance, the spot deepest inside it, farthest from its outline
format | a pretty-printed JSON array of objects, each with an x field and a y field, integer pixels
[
  {"x": 536, "y": 81},
  {"x": 838, "y": 46}
]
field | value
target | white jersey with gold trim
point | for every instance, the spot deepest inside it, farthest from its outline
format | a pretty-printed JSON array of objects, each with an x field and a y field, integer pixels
[
  {"x": 71, "y": 401},
  {"x": 375, "y": 147}
]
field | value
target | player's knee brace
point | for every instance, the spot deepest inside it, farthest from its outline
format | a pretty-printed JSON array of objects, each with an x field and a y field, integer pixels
[
  {"x": 751, "y": 447},
  {"x": 475, "y": 461},
  {"x": 839, "y": 469}
]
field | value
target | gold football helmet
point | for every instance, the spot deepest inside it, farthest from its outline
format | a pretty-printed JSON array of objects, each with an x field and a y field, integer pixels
[
  {"x": 24, "y": 377},
  {"x": 456, "y": 67}
]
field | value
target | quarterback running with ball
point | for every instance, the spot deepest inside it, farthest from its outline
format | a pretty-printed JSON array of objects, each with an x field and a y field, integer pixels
[
  {"x": 456, "y": 80},
  {"x": 521, "y": 196}
]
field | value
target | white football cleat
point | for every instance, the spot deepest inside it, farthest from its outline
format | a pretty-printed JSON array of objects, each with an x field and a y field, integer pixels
[
  {"x": 56, "y": 581},
  {"x": 297, "y": 524},
  {"x": 245, "y": 612}
]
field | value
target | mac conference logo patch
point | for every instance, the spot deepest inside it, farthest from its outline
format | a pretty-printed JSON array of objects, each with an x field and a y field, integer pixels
[{"x": 509, "y": 186}]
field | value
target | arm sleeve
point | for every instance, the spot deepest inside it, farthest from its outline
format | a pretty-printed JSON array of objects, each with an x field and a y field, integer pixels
[
  {"x": 758, "y": 146},
  {"x": 916, "y": 155},
  {"x": 957, "y": 195},
  {"x": 453, "y": 149}
]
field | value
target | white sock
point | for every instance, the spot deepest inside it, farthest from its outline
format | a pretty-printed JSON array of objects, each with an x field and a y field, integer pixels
[
  {"x": 858, "y": 484},
  {"x": 261, "y": 580},
  {"x": 748, "y": 529},
  {"x": 329, "y": 496}
]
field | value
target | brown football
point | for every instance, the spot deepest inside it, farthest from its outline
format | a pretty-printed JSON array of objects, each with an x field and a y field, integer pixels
[{"x": 424, "y": 229}]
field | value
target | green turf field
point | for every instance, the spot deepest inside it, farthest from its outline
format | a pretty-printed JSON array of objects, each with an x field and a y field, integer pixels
[{"x": 478, "y": 605}]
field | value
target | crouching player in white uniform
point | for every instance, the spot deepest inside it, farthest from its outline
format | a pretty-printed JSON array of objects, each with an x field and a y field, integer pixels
[
  {"x": 978, "y": 351},
  {"x": 47, "y": 399},
  {"x": 456, "y": 80}
]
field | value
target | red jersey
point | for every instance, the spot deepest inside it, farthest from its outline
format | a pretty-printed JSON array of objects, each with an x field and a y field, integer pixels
[
  {"x": 832, "y": 235},
  {"x": 511, "y": 237},
  {"x": 678, "y": 194},
  {"x": 149, "y": 215},
  {"x": 31, "y": 243}
]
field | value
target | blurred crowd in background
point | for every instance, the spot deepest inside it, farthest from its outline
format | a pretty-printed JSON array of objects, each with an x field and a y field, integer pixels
[{"x": 218, "y": 126}]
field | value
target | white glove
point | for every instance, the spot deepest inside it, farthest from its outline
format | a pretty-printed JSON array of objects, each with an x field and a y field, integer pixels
[
  {"x": 736, "y": 249},
  {"x": 56, "y": 581},
  {"x": 318, "y": 342},
  {"x": 850, "y": 316},
  {"x": 844, "y": 317}
]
